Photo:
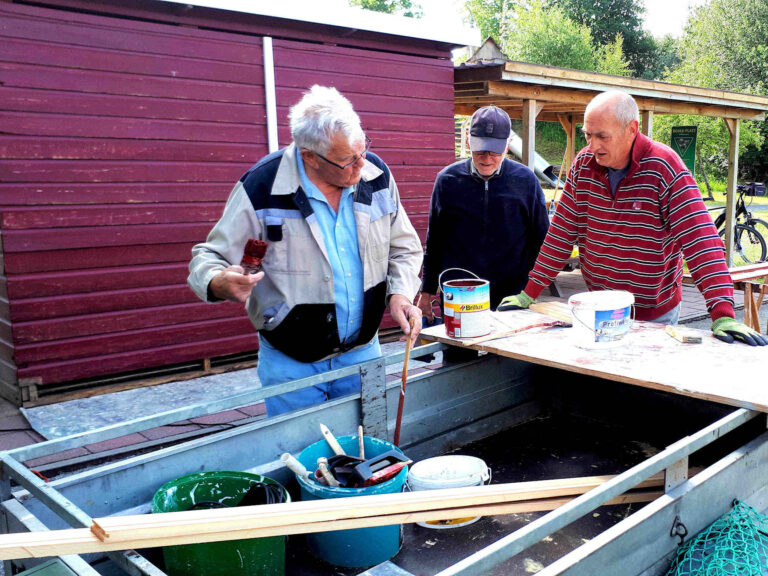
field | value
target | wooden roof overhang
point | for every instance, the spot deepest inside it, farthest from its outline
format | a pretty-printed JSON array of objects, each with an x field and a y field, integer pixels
[
  {"x": 560, "y": 91},
  {"x": 533, "y": 92}
]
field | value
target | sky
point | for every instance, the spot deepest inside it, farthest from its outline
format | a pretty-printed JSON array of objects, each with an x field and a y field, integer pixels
[{"x": 662, "y": 16}]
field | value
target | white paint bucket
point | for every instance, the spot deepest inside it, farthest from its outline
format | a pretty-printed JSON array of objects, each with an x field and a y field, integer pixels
[
  {"x": 601, "y": 318},
  {"x": 454, "y": 471},
  {"x": 466, "y": 306}
]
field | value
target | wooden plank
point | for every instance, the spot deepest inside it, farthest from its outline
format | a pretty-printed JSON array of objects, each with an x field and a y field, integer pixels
[
  {"x": 42, "y": 52},
  {"x": 410, "y": 89},
  {"x": 89, "y": 236},
  {"x": 21, "y": 218},
  {"x": 26, "y": 76},
  {"x": 386, "y": 56},
  {"x": 255, "y": 25},
  {"x": 77, "y": 369},
  {"x": 56, "y": 193},
  {"x": 121, "y": 321},
  {"x": 129, "y": 36},
  {"x": 298, "y": 517},
  {"x": 82, "y": 126},
  {"x": 648, "y": 357},
  {"x": 127, "y": 528},
  {"x": 301, "y": 56},
  {"x": 115, "y": 278},
  {"x": 39, "y": 148},
  {"x": 98, "y": 302},
  {"x": 553, "y": 309},
  {"x": 364, "y": 102},
  {"x": 365, "y": 99},
  {"x": 96, "y": 257},
  {"x": 126, "y": 340},
  {"x": 578, "y": 98}
]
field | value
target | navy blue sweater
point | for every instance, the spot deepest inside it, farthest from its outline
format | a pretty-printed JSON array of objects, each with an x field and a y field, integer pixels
[{"x": 493, "y": 227}]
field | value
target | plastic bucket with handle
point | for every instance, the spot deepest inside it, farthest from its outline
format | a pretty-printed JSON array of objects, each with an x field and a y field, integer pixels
[
  {"x": 358, "y": 547},
  {"x": 250, "y": 557},
  {"x": 601, "y": 319},
  {"x": 455, "y": 471}
]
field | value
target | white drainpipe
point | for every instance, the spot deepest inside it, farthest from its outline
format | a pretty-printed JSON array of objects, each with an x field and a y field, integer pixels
[{"x": 269, "y": 90}]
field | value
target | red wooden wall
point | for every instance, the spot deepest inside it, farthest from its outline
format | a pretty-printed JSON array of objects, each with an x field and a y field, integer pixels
[{"x": 120, "y": 140}]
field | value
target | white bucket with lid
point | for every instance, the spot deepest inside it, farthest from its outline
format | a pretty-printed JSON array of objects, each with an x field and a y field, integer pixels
[
  {"x": 601, "y": 318},
  {"x": 454, "y": 471}
]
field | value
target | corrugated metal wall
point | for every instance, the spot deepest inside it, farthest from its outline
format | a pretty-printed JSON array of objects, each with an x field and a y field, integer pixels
[{"x": 119, "y": 143}]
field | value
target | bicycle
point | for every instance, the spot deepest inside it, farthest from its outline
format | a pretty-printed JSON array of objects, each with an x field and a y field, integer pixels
[{"x": 749, "y": 233}]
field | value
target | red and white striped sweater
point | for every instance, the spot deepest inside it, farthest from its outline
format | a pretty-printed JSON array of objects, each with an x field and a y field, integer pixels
[{"x": 634, "y": 242}]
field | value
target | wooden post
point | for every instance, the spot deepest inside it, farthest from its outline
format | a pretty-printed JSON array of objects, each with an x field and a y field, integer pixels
[
  {"x": 647, "y": 126},
  {"x": 733, "y": 125},
  {"x": 569, "y": 125},
  {"x": 530, "y": 110}
]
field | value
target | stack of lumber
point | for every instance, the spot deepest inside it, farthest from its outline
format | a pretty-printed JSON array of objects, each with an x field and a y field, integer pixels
[{"x": 173, "y": 528}]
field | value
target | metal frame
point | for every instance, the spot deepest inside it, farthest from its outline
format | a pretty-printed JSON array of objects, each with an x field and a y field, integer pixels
[{"x": 373, "y": 411}]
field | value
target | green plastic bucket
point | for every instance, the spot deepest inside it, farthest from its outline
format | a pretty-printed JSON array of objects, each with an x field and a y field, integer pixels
[{"x": 253, "y": 557}]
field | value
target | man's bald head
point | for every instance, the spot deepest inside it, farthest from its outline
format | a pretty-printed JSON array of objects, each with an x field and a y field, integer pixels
[{"x": 618, "y": 104}]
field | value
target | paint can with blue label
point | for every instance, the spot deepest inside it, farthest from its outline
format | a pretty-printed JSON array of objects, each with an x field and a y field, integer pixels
[
  {"x": 601, "y": 319},
  {"x": 466, "y": 306}
]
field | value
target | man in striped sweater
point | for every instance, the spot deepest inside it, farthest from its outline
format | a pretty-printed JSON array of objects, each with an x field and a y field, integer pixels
[{"x": 635, "y": 210}]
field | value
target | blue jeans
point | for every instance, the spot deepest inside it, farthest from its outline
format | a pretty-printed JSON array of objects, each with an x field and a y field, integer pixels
[
  {"x": 670, "y": 317},
  {"x": 277, "y": 368}
]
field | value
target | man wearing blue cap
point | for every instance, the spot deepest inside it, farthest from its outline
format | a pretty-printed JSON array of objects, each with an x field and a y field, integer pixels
[{"x": 487, "y": 215}]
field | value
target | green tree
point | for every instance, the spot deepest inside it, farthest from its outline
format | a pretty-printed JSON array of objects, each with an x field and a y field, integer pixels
[
  {"x": 548, "y": 36},
  {"x": 611, "y": 60},
  {"x": 665, "y": 58},
  {"x": 493, "y": 17},
  {"x": 725, "y": 46},
  {"x": 606, "y": 18},
  {"x": 402, "y": 7}
]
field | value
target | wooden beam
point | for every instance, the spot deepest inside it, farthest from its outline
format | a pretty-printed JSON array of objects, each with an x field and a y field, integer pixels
[
  {"x": 542, "y": 93},
  {"x": 568, "y": 122},
  {"x": 83, "y": 541},
  {"x": 580, "y": 98},
  {"x": 174, "y": 528},
  {"x": 734, "y": 127},
  {"x": 647, "y": 125},
  {"x": 531, "y": 109}
]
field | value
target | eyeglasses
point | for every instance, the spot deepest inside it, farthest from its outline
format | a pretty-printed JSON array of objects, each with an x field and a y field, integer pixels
[
  {"x": 353, "y": 161},
  {"x": 491, "y": 154}
]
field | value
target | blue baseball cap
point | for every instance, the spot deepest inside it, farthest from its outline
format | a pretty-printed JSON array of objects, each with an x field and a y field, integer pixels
[{"x": 489, "y": 130}]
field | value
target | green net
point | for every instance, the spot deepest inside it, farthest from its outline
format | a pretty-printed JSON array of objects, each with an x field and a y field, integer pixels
[{"x": 735, "y": 544}]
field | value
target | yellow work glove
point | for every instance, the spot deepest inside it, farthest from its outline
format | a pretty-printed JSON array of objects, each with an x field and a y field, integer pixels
[
  {"x": 516, "y": 302},
  {"x": 727, "y": 329}
]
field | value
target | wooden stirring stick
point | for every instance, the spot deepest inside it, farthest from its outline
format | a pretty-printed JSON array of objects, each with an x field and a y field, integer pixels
[{"x": 402, "y": 386}]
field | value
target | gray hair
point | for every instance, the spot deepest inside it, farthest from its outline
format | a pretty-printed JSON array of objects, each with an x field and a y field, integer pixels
[
  {"x": 320, "y": 115},
  {"x": 624, "y": 106}
]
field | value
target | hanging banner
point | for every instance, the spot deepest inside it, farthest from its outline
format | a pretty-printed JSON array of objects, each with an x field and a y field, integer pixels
[{"x": 684, "y": 143}]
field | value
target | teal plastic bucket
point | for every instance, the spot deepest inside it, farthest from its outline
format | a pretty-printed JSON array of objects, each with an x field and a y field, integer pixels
[
  {"x": 360, "y": 547},
  {"x": 253, "y": 557}
]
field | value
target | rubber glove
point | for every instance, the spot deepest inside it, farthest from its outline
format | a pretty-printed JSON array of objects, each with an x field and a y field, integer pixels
[
  {"x": 727, "y": 329},
  {"x": 516, "y": 302}
]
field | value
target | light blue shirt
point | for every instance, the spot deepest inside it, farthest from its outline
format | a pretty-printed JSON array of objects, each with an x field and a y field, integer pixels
[{"x": 340, "y": 237}]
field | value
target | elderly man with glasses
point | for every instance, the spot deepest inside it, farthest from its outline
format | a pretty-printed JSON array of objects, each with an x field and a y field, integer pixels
[
  {"x": 487, "y": 216},
  {"x": 340, "y": 249}
]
